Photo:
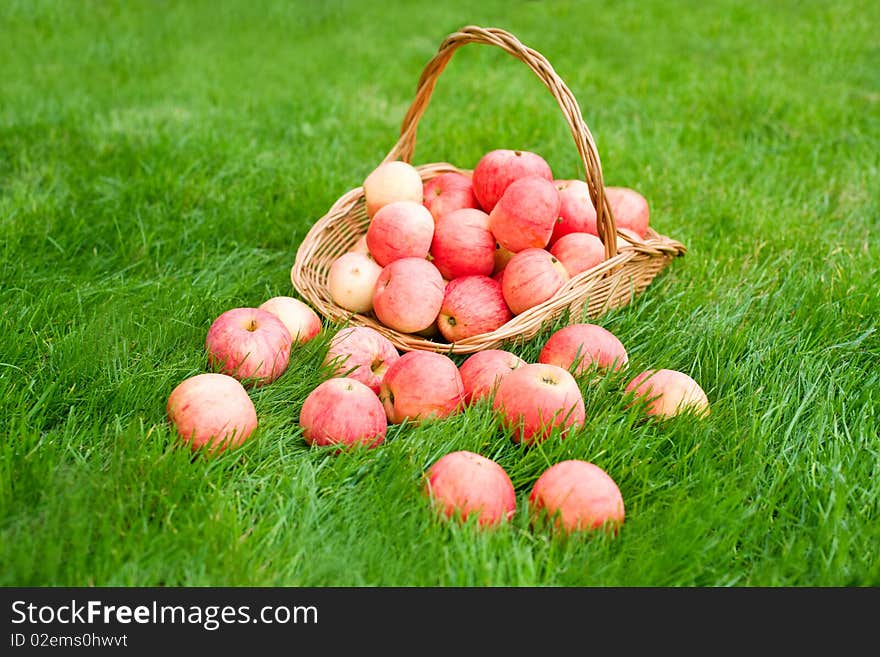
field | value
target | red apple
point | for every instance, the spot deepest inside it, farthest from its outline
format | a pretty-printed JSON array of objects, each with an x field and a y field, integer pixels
[
  {"x": 668, "y": 393},
  {"x": 472, "y": 305},
  {"x": 449, "y": 192},
  {"x": 464, "y": 484},
  {"x": 343, "y": 411},
  {"x": 497, "y": 169},
  {"x": 576, "y": 211},
  {"x": 481, "y": 372},
  {"x": 390, "y": 182},
  {"x": 578, "y": 252},
  {"x": 530, "y": 278},
  {"x": 403, "y": 229},
  {"x": 213, "y": 410},
  {"x": 301, "y": 321},
  {"x": 361, "y": 353},
  {"x": 421, "y": 385},
  {"x": 525, "y": 214},
  {"x": 586, "y": 346},
  {"x": 250, "y": 344},
  {"x": 535, "y": 398},
  {"x": 463, "y": 245},
  {"x": 630, "y": 209},
  {"x": 408, "y": 295},
  {"x": 577, "y": 496},
  {"x": 351, "y": 281}
]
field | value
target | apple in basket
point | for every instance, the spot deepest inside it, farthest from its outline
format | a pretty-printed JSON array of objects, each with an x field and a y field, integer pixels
[
  {"x": 212, "y": 410},
  {"x": 464, "y": 484},
  {"x": 630, "y": 209},
  {"x": 525, "y": 214},
  {"x": 482, "y": 371},
  {"x": 408, "y": 295},
  {"x": 463, "y": 245},
  {"x": 250, "y": 344},
  {"x": 578, "y": 252},
  {"x": 576, "y": 211},
  {"x": 472, "y": 305},
  {"x": 351, "y": 281},
  {"x": 530, "y": 278},
  {"x": 361, "y": 353},
  {"x": 448, "y": 192},
  {"x": 669, "y": 393},
  {"x": 343, "y": 411},
  {"x": 421, "y": 385},
  {"x": 535, "y": 398},
  {"x": 390, "y": 182},
  {"x": 584, "y": 347},
  {"x": 403, "y": 229},
  {"x": 301, "y": 321},
  {"x": 497, "y": 169},
  {"x": 577, "y": 496}
]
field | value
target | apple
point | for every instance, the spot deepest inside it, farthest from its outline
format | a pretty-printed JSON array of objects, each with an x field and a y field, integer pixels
[
  {"x": 585, "y": 347},
  {"x": 343, "y": 411},
  {"x": 577, "y": 496},
  {"x": 578, "y": 252},
  {"x": 472, "y": 305},
  {"x": 502, "y": 257},
  {"x": 408, "y": 295},
  {"x": 351, "y": 281},
  {"x": 498, "y": 168},
  {"x": 629, "y": 208},
  {"x": 250, "y": 344},
  {"x": 361, "y": 353},
  {"x": 421, "y": 385},
  {"x": 525, "y": 214},
  {"x": 211, "y": 409},
  {"x": 402, "y": 229},
  {"x": 301, "y": 321},
  {"x": 534, "y": 398},
  {"x": 481, "y": 372},
  {"x": 668, "y": 393},
  {"x": 448, "y": 192},
  {"x": 463, "y": 245},
  {"x": 464, "y": 484},
  {"x": 530, "y": 278},
  {"x": 576, "y": 211},
  {"x": 390, "y": 182}
]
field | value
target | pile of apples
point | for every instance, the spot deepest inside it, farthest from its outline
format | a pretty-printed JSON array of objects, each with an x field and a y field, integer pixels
[{"x": 459, "y": 255}]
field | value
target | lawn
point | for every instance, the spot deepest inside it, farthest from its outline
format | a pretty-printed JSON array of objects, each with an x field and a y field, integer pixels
[{"x": 161, "y": 162}]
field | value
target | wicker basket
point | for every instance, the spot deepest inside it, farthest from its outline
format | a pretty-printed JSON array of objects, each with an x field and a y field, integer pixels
[{"x": 613, "y": 283}]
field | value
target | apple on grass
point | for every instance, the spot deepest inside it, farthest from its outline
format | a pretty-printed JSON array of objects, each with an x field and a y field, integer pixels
[
  {"x": 463, "y": 245},
  {"x": 421, "y": 385},
  {"x": 472, "y": 305},
  {"x": 408, "y": 295},
  {"x": 343, "y": 411},
  {"x": 361, "y": 353},
  {"x": 629, "y": 208},
  {"x": 668, "y": 393},
  {"x": 525, "y": 214},
  {"x": 213, "y": 411},
  {"x": 535, "y": 398},
  {"x": 578, "y": 252},
  {"x": 530, "y": 278},
  {"x": 351, "y": 281},
  {"x": 464, "y": 484},
  {"x": 577, "y": 496},
  {"x": 585, "y": 347},
  {"x": 481, "y": 372},
  {"x": 497, "y": 169},
  {"x": 250, "y": 344},
  {"x": 301, "y": 321},
  {"x": 402, "y": 229},
  {"x": 576, "y": 211},
  {"x": 390, "y": 182},
  {"x": 449, "y": 192}
]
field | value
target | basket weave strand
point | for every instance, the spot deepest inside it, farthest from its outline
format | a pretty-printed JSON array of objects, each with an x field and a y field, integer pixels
[{"x": 624, "y": 273}]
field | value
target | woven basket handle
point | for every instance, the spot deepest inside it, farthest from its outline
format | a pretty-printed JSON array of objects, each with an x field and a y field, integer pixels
[{"x": 583, "y": 140}]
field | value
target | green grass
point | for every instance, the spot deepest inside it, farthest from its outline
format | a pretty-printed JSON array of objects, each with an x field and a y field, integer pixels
[{"x": 160, "y": 163}]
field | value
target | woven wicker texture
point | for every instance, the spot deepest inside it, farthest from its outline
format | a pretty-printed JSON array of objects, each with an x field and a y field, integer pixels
[{"x": 625, "y": 273}]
